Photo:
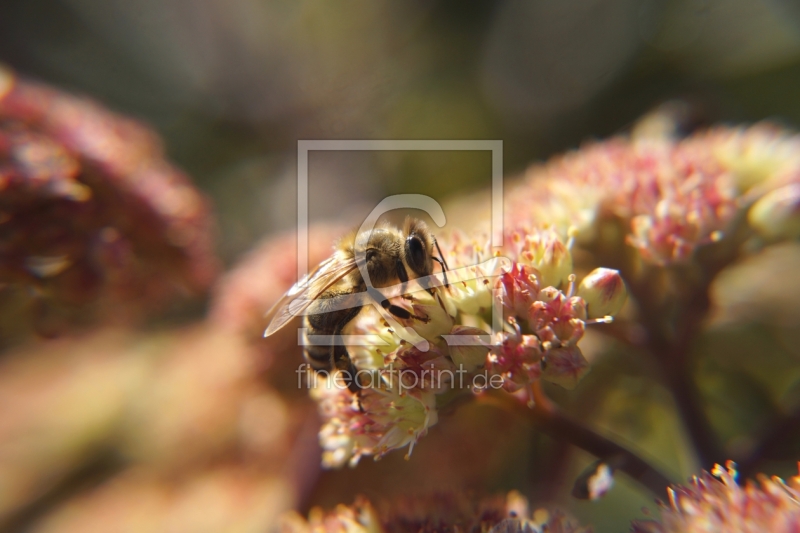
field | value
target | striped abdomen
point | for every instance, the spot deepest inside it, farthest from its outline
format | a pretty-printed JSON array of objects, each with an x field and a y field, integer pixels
[{"x": 323, "y": 357}]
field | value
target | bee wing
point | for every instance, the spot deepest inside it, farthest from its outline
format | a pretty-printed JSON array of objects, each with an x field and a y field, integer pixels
[{"x": 304, "y": 292}]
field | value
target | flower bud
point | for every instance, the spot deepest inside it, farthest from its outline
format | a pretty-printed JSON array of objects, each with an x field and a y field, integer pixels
[
  {"x": 564, "y": 366},
  {"x": 776, "y": 215},
  {"x": 470, "y": 354},
  {"x": 603, "y": 291}
]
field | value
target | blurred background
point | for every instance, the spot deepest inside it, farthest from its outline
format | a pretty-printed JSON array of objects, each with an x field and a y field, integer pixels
[
  {"x": 185, "y": 432},
  {"x": 233, "y": 85}
]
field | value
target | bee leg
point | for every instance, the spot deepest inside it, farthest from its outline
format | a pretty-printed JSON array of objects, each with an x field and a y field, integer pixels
[
  {"x": 354, "y": 384},
  {"x": 441, "y": 262},
  {"x": 358, "y": 400},
  {"x": 401, "y": 313}
]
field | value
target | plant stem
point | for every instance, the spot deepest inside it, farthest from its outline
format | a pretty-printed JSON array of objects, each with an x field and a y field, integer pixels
[
  {"x": 671, "y": 350},
  {"x": 548, "y": 417}
]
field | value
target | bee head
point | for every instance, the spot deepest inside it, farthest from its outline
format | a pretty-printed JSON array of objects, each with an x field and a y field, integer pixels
[
  {"x": 381, "y": 253},
  {"x": 418, "y": 247}
]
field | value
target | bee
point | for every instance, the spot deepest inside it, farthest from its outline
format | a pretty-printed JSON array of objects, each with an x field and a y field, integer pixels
[{"x": 390, "y": 256}]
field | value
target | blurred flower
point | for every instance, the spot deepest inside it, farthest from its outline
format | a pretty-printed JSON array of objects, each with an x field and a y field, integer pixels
[
  {"x": 776, "y": 215},
  {"x": 675, "y": 195},
  {"x": 437, "y": 512},
  {"x": 360, "y": 517},
  {"x": 90, "y": 209},
  {"x": 595, "y": 482},
  {"x": 262, "y": 276},
  {"x": 170, "y": 403},
  {"x": 564, "y": 366},
  {"x": 755, "y": 155},
  {"x": 716, "y": 502},
  {"x": 220, "y": 498},
  {"x": 55, "y": 412}
]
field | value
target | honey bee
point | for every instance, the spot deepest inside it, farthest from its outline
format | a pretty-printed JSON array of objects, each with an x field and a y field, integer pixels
[{"x": 389, "y": 255}]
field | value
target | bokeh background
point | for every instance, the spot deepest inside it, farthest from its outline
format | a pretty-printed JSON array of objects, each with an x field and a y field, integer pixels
[{"x": 231, "y": 86}]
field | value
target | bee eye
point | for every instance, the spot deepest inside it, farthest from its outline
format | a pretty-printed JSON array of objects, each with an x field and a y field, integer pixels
[{"x": 415, "y": 254}]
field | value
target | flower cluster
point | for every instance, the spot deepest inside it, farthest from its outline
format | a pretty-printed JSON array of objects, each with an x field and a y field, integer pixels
[
  {"x": 439, "y": 512},
  {"x": 516, "y": 313},
  {"x": 380, "y": 419},
  {"x": 90, "y": 208},
  {"x": 674, "y": 195},
  {"x": 716, "y": 502},
  {"x": 505, "y": 320}
]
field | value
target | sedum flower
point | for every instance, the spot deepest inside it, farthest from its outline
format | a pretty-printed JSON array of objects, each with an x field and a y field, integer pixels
[
  {"x": 603, "y": 291},
  {"x": 436, "y": 512},
  {"x": 557, "y": 319},
  {"x": 361, "y": 517},
  {"x": 91, "y": 214},
  {"x": 673, "y": 195},
  {"x": 663, "y": 197},
  {"x": 414, "y": 369},
  {"x": 517, "y": 358},
  {"x": 431, "y": 315},
  {"x": 372, "y": 355},
  {"x": 756, "y": 155},
  {"x": 471, "y": 294},
  {"x": 378, "y": 421},
  {"x": 715, "y": 502},
  {"x": 544, "y": 251},
  {"x": 401, "y": 377},
  {"x": 518, "y": 289}
]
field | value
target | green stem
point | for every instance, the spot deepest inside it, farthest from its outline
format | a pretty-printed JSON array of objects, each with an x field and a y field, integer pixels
[{"x": 548, "y": 417}]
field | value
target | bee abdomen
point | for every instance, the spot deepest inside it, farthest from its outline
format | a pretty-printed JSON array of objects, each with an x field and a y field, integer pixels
[
  {"x": 325, "y": 320},
  {"x": 318, "y": 356}
]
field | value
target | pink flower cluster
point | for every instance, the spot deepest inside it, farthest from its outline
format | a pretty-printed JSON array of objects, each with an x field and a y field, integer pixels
[
  {"x": 90, "y": 209},
  {"x": 556, "y": 322},
  {"x": 674, "y": 196},
  {"x": 716, "y": 502}
]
